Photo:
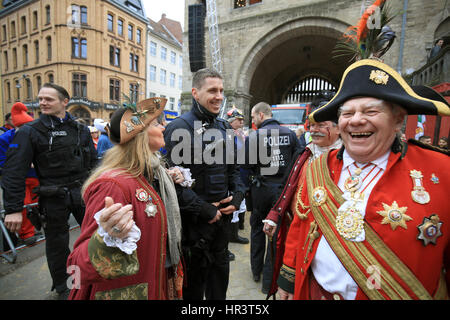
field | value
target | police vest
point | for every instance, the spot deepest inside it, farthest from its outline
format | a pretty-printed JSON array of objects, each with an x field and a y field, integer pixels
[
  {"x": 211, "y": 180},
  {"x": 60, "y": 151},
  {"x": 277, "y": 145}
]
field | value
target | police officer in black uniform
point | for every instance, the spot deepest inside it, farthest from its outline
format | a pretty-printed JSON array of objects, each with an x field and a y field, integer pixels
[
  {"x": 62, "y": 152},
  {"x": 200, "y": 141},
  {"x": 269, "y": 151}
]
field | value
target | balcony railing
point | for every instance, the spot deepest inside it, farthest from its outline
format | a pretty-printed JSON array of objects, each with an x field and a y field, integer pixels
[{"x": 435, "y": 71}]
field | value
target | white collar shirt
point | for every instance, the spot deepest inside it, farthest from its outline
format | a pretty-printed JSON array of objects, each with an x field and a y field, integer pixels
[{"x": 326, "y": 267}]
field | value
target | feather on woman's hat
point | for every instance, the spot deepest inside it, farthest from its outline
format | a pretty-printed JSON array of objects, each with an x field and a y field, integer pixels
[{"x": 130, "y": 120}]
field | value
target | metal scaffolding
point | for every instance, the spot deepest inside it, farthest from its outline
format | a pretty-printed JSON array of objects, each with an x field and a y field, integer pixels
[{"x": 214, "y": 43}]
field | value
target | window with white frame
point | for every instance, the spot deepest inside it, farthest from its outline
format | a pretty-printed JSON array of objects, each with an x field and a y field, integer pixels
[
  {"x": 173, "y": 57},
  {"x": 163, "y": 53},
  {"x": 152, "y": 73},
  {"x": 172, "y": 80},
  {"x": 162, "y": 76},
  {"x": 153, "y": 46}
]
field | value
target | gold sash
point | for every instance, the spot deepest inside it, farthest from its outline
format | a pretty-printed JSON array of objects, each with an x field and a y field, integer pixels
[{"x": 356, "y": 257}]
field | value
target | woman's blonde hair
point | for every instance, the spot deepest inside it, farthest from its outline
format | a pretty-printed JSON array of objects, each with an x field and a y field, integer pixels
[{"x": 134, "y": 156}]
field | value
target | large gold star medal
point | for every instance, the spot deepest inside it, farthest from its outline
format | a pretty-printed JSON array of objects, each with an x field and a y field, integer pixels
[
  {"x": 430, "y": 229},
  {"x": 394, "y": 215}
]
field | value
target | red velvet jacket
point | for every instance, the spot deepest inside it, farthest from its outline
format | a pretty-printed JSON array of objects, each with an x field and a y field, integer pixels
[
  {"x": 426, "y": 262},
  {"x": 107, "y": 272}
]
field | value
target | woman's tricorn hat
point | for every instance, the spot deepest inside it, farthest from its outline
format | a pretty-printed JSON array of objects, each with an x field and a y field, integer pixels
[
  {"x": 127, "y": 122},
  {"x": 372, "y": 78}
]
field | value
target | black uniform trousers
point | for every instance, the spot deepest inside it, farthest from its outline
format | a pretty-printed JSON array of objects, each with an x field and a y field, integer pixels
[
  {"x": 57, "y": 210},
  {"x": 262, "y": 252},
  {"x": 208, "y": 264}
]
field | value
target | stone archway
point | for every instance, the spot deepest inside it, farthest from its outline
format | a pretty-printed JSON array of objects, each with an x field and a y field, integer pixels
[
  {"x": 292, "y": 51},
  {"x": 82, "y": 113}
]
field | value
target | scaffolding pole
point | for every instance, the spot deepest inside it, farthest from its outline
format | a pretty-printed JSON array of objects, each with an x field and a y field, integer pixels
[{"x": 214, "y": 43}]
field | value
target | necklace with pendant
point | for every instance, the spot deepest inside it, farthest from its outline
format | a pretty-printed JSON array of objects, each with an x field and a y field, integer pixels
[
  {"x": 350, "y": 220},
  {"x": 354, "y": 181}
]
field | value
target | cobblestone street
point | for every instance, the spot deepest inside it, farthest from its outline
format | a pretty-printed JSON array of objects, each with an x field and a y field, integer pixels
[{"x": 29, "y": 279}]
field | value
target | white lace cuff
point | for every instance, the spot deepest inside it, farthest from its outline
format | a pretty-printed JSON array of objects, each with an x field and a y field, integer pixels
[
  {"x": 188, "y": 181},
  {"x": 270, "y": 222},
  {"x": 127, "y": 244}
]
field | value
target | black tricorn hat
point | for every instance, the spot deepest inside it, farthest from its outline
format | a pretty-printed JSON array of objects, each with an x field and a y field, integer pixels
[
  {"x": 372, "y": 78},
  {"x": 429, "y": 93}
]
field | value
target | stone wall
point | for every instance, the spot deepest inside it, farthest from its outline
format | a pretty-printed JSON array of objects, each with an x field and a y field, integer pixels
[{"x": 249, "y": 35}]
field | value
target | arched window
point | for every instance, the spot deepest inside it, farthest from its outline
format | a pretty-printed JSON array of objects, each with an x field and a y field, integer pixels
[
  {"x": 307, "y": 89},
  {"x": 81, "y": 113}
]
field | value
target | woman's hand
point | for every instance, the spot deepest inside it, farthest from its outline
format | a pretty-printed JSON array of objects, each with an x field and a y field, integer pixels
[
  {"x": 116, "y": 219},
  {"x": 176, "y": 174}
]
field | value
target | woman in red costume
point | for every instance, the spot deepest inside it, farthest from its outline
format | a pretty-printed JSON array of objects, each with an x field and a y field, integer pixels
[{"x": 129, "y": 242}]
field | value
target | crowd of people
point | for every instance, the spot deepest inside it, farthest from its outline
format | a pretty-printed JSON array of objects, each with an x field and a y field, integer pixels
[{"x": 331, "y": 209}]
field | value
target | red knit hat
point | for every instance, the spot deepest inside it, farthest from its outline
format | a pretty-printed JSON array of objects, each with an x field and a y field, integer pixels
[{"x": 19, "y": 115}]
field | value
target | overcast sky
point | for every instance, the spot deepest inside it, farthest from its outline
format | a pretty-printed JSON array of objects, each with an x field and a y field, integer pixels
[{"x": 174, "y": 9}]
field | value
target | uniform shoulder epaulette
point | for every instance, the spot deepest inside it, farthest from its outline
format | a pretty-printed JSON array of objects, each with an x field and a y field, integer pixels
[{"x": 429, "y": 147}]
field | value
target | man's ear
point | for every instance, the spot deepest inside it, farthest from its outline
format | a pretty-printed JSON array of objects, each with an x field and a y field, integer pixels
[
  {"x": 194, "y": 93},
  {"x": 400, "y": 117}
]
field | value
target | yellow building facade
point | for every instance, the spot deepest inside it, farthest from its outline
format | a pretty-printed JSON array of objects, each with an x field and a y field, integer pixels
[{"x": 94, "y": 49}]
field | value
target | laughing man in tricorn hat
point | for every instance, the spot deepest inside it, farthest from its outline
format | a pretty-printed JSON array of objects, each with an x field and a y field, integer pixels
[{"x": 364, "y": 204}]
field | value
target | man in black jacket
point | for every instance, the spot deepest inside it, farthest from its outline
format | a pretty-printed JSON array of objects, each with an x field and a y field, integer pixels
[
  {"x": 203, "y": 143},
  {"x": 269, "y": 151},
  {"x": 62, "y": 153}
]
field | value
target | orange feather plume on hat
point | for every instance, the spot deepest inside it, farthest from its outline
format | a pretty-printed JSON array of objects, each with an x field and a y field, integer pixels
[
  {"x": 361, "y": 27},
  {"x": 361, "y": 41}
]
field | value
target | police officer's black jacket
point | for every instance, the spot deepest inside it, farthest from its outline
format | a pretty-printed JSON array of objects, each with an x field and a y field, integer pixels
[
  {"x": 61, "y": 151},
  {"x": 213, "y": 181},
  {"x": 270, "y": 150}
]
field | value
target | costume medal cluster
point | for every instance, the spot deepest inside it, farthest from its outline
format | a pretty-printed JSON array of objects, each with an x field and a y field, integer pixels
[
  {"x": 350, "y": 217},
  {"x": 150, "y": 207}
]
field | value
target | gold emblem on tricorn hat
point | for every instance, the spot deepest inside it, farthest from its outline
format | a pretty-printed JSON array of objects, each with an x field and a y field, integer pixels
[
  {"x": 379, "y": 77},
  {"x": 430, "y": 229},
  {"x": 394, "y": 215}
]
